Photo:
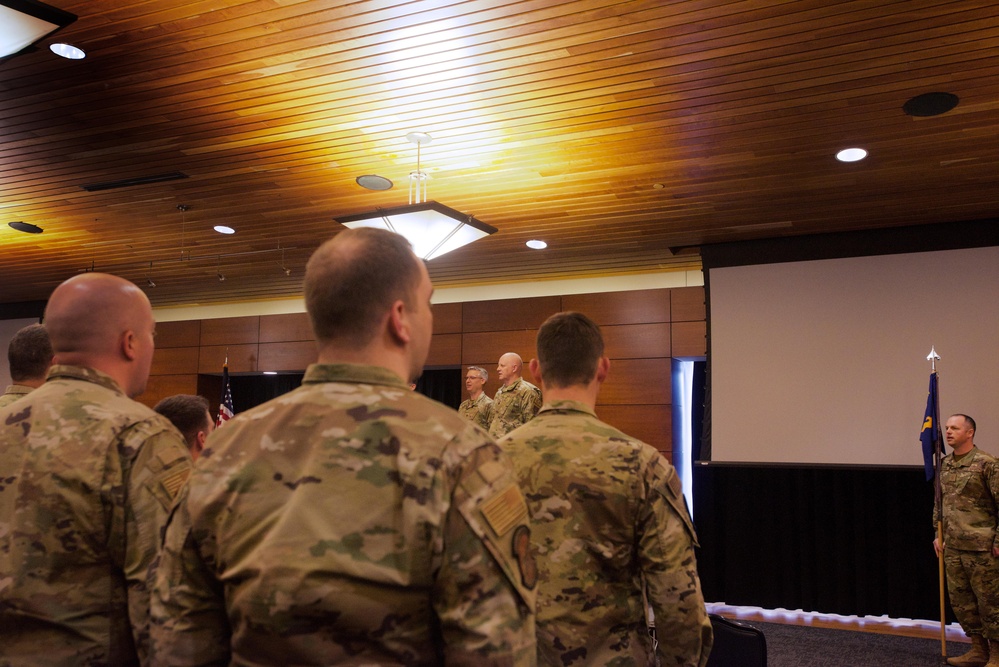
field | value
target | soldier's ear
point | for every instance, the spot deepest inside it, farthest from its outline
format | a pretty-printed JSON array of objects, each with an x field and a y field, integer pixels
[
  {"x": 398, "y": 322},
  {"x": 536, "y": 371},
  {"x": 127, "y": 343},
  {"x": 603, "y": 367}
]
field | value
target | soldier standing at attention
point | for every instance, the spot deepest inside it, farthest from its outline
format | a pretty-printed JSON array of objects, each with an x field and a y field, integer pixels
[
  {"x": 609, "y": 521},
  {"x": 517, "y": 401},
  {"x": 969, "y": 480},
  {"x": 87, "y": 477},
  {"x": 478, "y": 407},
  {"x": 29, "y": 356},
  {"x": 350, "y": 520}
]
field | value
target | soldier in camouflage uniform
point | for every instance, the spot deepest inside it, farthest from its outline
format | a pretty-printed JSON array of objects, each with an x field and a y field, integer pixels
[
  {"x": 969, "y": 479},
  {"x": 190, "y": 415},
  {"x": 609, "y": 521},
  {"x": 350, "y": 520},
  {"x": 479, "y": 407},
  {"x": 517, "y": 401},
  {"x": 29, "y": 355},
  {"x": 87, "y": 478}
]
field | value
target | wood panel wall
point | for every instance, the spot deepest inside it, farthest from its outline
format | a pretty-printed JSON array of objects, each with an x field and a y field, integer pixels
[{"x": 643, "y": 331}]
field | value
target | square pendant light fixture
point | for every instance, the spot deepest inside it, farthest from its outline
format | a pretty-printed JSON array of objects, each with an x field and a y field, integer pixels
[
  {"x": 431, "y": 228},
  {"x": 24, "y": 22}
]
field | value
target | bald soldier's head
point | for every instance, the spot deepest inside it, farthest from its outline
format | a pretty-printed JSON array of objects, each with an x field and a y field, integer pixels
[
  {"x": 106, "y": 323},
  {"x": 509, "y": 368}
]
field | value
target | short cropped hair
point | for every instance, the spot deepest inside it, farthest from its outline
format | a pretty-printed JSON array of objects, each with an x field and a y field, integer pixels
[
  {"x": 968, "y": 420},
  {"x": 569, "y": 348},
  {"x": 187, "y": 412},
  {"x": 482, "y": 371},
  {"x": 29, "y": 353},
  {"x": 352, "y": 280}
]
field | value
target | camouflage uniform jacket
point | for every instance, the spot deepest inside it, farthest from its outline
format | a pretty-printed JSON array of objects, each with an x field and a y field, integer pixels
[
  {"x": 478, "y": 411},
  {"x": 348, "y": 521},
  {"x": 970, "y": 488},
  {"x": 87, "y": 478},
  {"x": 14, "y": 392},
  {"x": 609, "y": 522},
  {"x": 513, "y": 405}
]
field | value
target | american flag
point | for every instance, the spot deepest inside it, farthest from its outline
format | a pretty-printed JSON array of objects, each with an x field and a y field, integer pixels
[{"x": 225, "y": 405}]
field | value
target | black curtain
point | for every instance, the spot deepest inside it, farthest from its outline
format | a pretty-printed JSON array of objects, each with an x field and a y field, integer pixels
[
  {"x": 248, "y": 391},
  {"x": 444, "y": 385},
  {"x": 833, "y": 539},
  {"x": 697, "y": 399}
]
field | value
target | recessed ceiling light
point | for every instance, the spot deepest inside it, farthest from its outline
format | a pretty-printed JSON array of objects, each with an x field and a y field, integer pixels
[
  {"x": 25, "y": 227},
  {"x": 67, "y": 51},
  {"x": 223, "y": 229},
  {"x": 374, "y": 182},
  {"x": 851, "y": 154},
  {"x": 535, "y": 244}
]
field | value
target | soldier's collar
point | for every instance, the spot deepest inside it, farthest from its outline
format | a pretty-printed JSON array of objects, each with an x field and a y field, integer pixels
[
  {"x": 964, "y": 459},
  {"x": 508, "y": 387},
  {"x": 86, "y": 374},
  {"x": 567, "y": 406},
  {"x": 317, "y": 373}
]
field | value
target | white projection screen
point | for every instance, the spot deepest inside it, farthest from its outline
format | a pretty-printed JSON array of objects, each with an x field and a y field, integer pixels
[{"x": 824, "y": 362}]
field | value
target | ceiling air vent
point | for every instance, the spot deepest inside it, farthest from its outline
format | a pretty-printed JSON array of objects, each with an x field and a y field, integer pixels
[{"x": 141, "y": 180}]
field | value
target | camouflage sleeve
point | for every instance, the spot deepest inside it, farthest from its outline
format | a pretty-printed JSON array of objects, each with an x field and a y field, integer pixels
[
  {"x": 485, "y": 588},
  {"x": 666, "y": 557},
  {"x": 992, "y": 481},
  {"x": 160, "y": 464},
  {"x": 486, "y": 415},
  {"x": 533, "y": 405},
  {"x": 189, "y": 624},
  {"x": 936, "y": 510}
]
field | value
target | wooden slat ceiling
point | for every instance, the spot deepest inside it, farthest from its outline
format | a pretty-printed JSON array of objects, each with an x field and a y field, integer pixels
[{"x": 557, "y": 120}]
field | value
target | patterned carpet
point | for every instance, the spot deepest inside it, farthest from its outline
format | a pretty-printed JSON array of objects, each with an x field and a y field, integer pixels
[{"x": 798, "y": 646}]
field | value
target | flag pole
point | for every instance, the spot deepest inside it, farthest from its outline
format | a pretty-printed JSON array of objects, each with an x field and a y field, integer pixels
[
  {"x": 938, "y": 497},
  {"x": 225, "y": 402}
]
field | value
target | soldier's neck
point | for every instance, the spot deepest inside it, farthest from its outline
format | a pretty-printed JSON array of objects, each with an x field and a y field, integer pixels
[{"x": 585, "y": 394}]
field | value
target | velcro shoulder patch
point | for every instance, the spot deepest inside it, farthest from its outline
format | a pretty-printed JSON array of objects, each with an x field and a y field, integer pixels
[
  {"x": 505, "y": 510},
  {"x": 175, "y": 479}
]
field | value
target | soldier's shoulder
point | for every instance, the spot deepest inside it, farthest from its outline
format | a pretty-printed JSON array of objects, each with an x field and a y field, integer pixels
[
  {"x": 448, "y": 427},
  {"x": 643, "y": 458}
]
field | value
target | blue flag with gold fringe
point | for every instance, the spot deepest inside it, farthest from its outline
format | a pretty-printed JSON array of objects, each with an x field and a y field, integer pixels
[{"x": 930, "y": 435}]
